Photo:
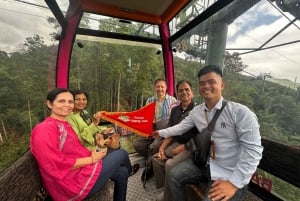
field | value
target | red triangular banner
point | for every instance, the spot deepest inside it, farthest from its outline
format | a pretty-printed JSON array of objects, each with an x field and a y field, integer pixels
[{"x": 139, "y": 121}]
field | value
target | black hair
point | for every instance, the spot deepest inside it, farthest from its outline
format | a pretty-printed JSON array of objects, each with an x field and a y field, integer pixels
[
  {"x": 53, "y": 94},
  {"x": 181, "y": 82},
  {"x": 208, "y": 69},
  {"x": 79, "y": 91}
]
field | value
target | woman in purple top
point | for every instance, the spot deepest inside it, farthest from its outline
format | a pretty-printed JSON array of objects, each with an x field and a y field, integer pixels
[{"x": 69, "y": 170}]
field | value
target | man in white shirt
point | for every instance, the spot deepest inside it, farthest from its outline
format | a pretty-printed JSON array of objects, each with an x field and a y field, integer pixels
[{"x": 236, "y": 149}]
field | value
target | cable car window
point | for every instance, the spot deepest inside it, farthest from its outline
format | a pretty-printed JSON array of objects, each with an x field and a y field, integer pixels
[
  {"x": 257, "y": 40},
  {"x": 118, "y": 25},
  {"x": 63, "y": 6},
  {"x": 116, "y": 59},
  {"x": 260, "y": 45},
  {"x": 102, "y": 68},
  {"x": 27, "y": 68},
  {"x": 190, "y": 12}
]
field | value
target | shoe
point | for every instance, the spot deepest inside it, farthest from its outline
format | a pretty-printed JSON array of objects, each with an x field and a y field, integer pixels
[
  {"x": 160, "y": 196},
  {"x": 134, "y": 169},
  {"x": 147, "y": 174}
]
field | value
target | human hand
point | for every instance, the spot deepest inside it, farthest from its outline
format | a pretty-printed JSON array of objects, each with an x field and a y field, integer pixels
[
  {"x": 98, "y": 155},
  {"x": 97, "y": 118},
  {"x": 178, "y": 149},
  {"x": 109, "y": 131},
  {"x": 99, "y": 140},
  {"x": 114, "y": 141},
  {"x": 222, "y": 190},
  {"x": 155, "y": 134},
  {"x": 161, "y": 154}
]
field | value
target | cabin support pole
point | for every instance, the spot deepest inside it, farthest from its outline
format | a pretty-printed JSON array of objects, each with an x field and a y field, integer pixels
[
  {"x": 216, "y": 43},
  {"x": 168, "y": 57},
  {"x": 73, "y": 17}
]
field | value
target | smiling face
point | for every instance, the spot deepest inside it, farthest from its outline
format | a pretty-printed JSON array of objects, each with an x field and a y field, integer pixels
[
  {"x": 161, "y": 88},
  {"x": 185, "y": 93},
  {"x": 210, "y": 88},
  {"x": 62, "y": 105},
  {"x": 80, "y": 102}
]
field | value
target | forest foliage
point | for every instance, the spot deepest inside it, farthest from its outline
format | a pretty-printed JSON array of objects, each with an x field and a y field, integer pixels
[{"x": 107, "y": 71}]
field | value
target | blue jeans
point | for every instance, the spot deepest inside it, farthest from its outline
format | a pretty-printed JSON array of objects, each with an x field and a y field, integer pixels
[
  {"x": 188, "y": 173},
  {"x": 117, "y": 167}
]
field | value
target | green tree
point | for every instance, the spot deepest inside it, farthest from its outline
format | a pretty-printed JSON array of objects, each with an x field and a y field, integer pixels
[{"x": 233, "y": 63}]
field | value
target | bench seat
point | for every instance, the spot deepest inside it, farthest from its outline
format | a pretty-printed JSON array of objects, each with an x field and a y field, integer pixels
[{"x": 21, "y": 181}]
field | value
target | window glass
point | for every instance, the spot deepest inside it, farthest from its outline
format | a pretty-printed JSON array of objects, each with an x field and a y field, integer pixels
[
  {"x": 27, "y": 68},
  {"x": 116, "y": 25},
  {"x": 255, "y": 42},
  {"x": 258, "y": 49},
  {"x": 190, "y": 12},
  {"x": 63, "y": 6},
  {"x": 110, "y": 68},
  {"x": 117, "y": 75}
]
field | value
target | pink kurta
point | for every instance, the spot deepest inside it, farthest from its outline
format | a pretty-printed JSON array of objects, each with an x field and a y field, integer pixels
[{"x": 56, "y": 148}]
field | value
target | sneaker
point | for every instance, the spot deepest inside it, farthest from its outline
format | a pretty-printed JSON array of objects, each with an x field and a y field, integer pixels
[
  {"x": 147, "y": 174},
  {"x": 134, "y": 169},
  {"x": 160, "y": 196}
]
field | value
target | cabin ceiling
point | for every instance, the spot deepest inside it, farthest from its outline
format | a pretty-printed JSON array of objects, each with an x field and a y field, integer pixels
[
  {"x": 148, "y": 11},
  {"x": 153, "y": 7},
  {"x": 144, "y": 14}
]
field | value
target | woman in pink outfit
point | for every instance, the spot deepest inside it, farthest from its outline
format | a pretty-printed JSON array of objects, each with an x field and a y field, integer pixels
[{"x": 69, "y": 170}]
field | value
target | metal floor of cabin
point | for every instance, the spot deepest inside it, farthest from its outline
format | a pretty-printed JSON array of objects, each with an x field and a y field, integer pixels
[{"x": 135, "y": 190}]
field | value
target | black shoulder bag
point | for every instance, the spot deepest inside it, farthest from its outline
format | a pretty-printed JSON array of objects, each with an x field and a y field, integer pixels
[{"x": 200, "y": 144}]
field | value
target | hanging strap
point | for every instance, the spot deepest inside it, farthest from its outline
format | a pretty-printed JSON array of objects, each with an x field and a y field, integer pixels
[{"x": 212, "y": 123}]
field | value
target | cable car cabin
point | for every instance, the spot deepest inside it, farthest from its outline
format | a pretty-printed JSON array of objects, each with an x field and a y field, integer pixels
[{"x": 115, "y": 50}]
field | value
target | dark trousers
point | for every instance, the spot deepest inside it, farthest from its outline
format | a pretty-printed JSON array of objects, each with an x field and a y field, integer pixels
[
  {"x": 147, "y": 147},
  {"x": 115, "y": 166},
  {"x": 187, "y": 172}
]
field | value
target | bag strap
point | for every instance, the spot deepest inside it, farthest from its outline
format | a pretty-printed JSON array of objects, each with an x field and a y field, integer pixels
[{"x": 212, "y": 123}]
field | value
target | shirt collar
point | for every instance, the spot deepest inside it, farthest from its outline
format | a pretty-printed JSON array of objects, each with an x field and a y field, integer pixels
[
  {"x": 217, "y": 106},
  {"x": 190, "y": 106},
  {"x": 156, "y": 97}
]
